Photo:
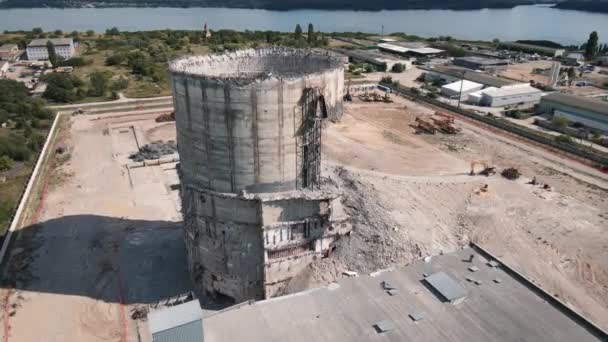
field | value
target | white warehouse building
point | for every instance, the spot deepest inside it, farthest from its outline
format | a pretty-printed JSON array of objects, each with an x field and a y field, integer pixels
[
  {"x": 509, "y": 95},
  {"x": 37, "y": 50},
  {"x": 463, "y": 88}
]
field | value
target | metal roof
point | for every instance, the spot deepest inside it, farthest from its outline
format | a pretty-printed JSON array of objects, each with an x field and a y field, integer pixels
[
  {"x": 179, "y": 320},
  {"x": 402, "y": 49},
  {"x": 466, "y": 86},
  {"x": 446, "y": 286},
  {"x": 474, "y": 76},
  {"x": 584, "y": 103},
  {"x": 481, "y": 60},
  {"x": 189, "y": 332},
  {"x": 55, "y": 41},
  {"x": 516, "y": 89}
]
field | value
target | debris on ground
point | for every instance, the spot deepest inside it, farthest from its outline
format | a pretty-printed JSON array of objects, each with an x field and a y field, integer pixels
[
  {"x": 511, "y": 173},
  {"x": 154, "y": 150},
  {"x": 167, "y": 117},
  {"x": 350, "y": 273}
]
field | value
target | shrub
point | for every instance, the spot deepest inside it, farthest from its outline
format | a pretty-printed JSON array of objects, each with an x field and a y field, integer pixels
[
  {"x": 564, "y": 139},
  {"x": 398, "y": 67}
]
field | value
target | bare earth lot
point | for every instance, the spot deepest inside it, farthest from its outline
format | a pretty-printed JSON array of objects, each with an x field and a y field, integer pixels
[
  {"x": 110, "y": 235},
  {"x": 108, "y": 240}
]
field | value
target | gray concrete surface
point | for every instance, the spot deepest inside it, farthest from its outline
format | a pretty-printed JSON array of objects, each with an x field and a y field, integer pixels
[{"x": 347, "y": 311}]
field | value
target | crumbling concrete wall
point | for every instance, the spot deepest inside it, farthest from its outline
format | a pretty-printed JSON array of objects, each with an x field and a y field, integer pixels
[{"x": 240, "y": 119}]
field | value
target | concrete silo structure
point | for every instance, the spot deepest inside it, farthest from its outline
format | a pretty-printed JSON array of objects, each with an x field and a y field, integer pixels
[{"x": 249, "y": 138}]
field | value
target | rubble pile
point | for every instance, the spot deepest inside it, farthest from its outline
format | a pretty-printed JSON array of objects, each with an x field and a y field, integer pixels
[
  {"x": 511, "y": 173},
  {"x": 154, "y": 150}
]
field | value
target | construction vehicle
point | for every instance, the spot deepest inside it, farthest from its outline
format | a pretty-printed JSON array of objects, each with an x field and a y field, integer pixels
[
  {"x": 486, "y": 171},
  {"x": 424, "y": 126}
]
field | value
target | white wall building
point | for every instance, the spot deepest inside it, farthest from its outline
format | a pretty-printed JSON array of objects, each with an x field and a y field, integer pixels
[
  {"x": 37, "y": 50},
  {"x": 463, "y": 88},
  {"x": 509, "y": 95}
]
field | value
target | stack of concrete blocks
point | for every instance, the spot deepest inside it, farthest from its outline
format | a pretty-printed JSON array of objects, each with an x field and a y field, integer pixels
[{"x": 250, "y": 222}]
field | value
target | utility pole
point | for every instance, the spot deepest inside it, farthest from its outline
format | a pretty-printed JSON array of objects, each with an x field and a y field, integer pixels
[
  {"x": 461, "y": 83},
  {"x": 382, "y": 32}
]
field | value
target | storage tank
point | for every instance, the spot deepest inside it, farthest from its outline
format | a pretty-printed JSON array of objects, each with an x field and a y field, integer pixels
[{"x": 240, "y": 116}]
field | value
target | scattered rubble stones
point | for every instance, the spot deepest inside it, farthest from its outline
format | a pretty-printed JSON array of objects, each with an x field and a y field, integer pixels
[{"x": 154, "y": 150}]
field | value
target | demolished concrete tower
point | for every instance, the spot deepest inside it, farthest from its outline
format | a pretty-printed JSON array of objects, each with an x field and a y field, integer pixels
[{"x": 249, "y": 138}]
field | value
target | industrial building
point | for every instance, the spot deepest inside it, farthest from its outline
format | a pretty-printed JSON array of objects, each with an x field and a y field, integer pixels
[
  {"x": 410, "y": 51},
  {"x": 530, "y": 48},
  {"x": 590, "y": 112},
  {"x": 375, "y": 58},
  {"x": 9, "y": 52},
  {"x": 573, "y": 58},
  {"x": 37, "y": 48},
  {"x": 480, "y": 63},
  {"x": 249, "y": 136},
  {"x": 452, "y": 74},
  {"x": 460, "y": 88},
  {"x": 516, "y": 94},
  {"x": 466, "y": 295}
]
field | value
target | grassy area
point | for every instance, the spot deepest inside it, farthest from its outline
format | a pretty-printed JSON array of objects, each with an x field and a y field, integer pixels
[{"x": 10, "y": 190}]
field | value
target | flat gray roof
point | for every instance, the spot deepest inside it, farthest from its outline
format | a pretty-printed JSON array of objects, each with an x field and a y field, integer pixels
[
  {"x": 584, "y": 103},
  {"x": 55, "y": 41},
  {"x": 180, "y": 323},
  {"x": 473, "y": 76},
  {"x": 482, "y": 60},
  {"x": 506, "y": 310}
]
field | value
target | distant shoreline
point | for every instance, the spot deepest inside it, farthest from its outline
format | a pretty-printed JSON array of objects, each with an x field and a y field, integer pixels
[
  {"x": 362, "y": 6},
  {"x": 577, "y": 5}
]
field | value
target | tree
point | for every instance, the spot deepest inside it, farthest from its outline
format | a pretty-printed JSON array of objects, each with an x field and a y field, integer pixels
[
  {"x": 37, "y": 30},
  {"x": 116, "y": 59},
  {"x": 90, "y": 33},
  {"x": 398, "y": 67},
  {"x": 560, "y": 121},
  {"x": 571, "y": 73},
  {"x": 52, "y": 54},
  {"x": 99, "y": 83},
  {"x": 298, "y": 32},
  {"x": 5, "y": 163},
  {"x": 58, "y": 32},
  {"x": 591, "y": 47},
  {"x": 311, "y": 34},
  {"x": 112, "y": 32}
]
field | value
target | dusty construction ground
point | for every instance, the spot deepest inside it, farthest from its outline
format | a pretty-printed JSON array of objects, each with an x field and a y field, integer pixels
[
  {"x": 109, "y": 239},
  {"x": 108, "y": 235},
  {"x": 410, "y": 197}
]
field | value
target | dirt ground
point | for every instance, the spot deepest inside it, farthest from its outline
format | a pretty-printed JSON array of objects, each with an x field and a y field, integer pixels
[
  {"x": 410, "y": 196},
  {"x": 523, "y": 71},
  {"x": 108, "y": 240}
]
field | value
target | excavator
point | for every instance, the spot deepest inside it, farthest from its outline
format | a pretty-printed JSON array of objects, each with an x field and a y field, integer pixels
[{"x": 486, "y": 171}]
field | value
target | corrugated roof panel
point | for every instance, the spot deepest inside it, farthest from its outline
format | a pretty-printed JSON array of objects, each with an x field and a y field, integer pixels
[{"x": 189, "y": 332}]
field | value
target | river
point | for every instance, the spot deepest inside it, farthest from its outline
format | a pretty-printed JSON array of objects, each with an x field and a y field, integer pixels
[{"x": 521, "y": 22}]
